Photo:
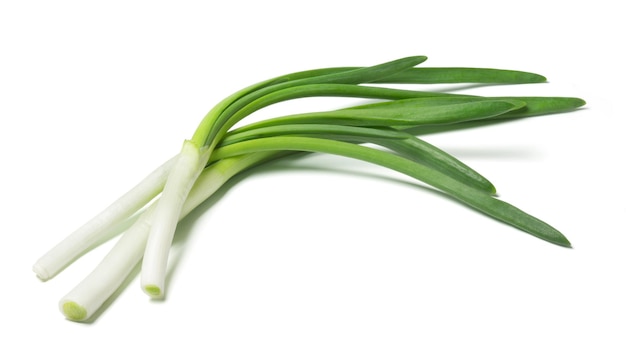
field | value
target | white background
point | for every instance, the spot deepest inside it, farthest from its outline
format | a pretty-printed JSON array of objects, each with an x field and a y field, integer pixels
[{"x": 318, "y": 258}]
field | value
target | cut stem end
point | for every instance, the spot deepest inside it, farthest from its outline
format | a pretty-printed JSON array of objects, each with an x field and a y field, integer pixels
[
  {"x": 153, "y": 291},
  {"x": 74, "y": 311}
]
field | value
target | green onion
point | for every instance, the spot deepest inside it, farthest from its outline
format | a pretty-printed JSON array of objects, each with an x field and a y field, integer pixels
[{"x": 383, "y": 132}]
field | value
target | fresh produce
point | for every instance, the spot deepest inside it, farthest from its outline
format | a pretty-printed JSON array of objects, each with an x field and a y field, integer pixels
[{"x": 384, "y": 132}]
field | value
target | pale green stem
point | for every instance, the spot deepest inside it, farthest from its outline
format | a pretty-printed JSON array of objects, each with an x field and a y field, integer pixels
[
  {"x": 189, "y": 165},
  {"x": 93, "y": 291},
  {"x": 91, "y": 233}
]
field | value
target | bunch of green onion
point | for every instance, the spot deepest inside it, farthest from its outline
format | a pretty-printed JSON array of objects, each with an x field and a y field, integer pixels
[{"x": 383, "y": 131}]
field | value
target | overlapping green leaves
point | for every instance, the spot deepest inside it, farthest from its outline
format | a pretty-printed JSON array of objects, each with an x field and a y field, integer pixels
[{"x": 393, "y": 120}]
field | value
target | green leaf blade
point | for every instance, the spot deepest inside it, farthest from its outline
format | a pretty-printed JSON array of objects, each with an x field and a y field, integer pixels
[
  {"x": 432, "y": 110},
  {"x": 535, "y": 106},
  {"x": 478, "y": 200},
  {"x": 448, "y": 75},
  {"x": 330, "y": 131},
  {"x": 538, "y": 106},
  {"x": 418, "y": 150}
]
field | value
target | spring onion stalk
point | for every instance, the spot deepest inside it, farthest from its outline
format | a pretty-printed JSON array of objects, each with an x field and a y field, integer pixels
[
  {"x": 213, "y": 128},
  {"x": 190, "y": 163},
  {"x": 207, "y": 136},
  {"x": 188, "y": 166},
  {"x": 219, "y": 149},
  {"x": 91, "y": 233},
  {"x": 93, "y": 291}
]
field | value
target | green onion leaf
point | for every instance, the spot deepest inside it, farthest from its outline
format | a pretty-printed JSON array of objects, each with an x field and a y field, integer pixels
[
  {"x": 479, "y": 200},
  {"x": 462, "y": 75}
]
